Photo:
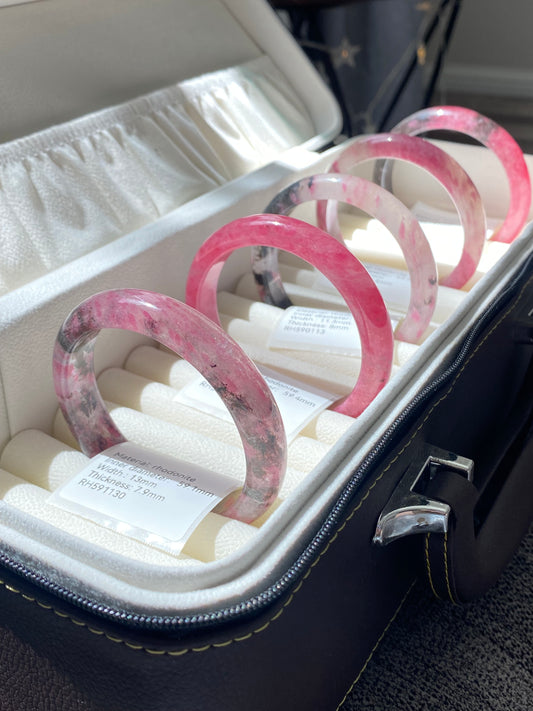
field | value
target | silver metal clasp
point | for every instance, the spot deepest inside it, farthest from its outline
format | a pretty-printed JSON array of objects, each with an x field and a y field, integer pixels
[{"x": 408, "y": 511}]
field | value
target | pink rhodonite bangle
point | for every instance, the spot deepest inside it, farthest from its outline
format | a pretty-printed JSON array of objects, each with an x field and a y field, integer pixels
[
  {"x": 337, "y": 264},
  {"x": 491, "y": 135},
  {"x": 212, "y": 352},
  {"x": 443, "y": 167},
  {"x": 383, "y": 206}
]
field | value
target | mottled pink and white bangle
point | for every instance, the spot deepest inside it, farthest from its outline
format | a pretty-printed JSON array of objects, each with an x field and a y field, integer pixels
[
  {"x": 383, "y": 206},
  {"x": 491, "y": 135},
  {"x": 443, "y": 167},
  {"x": 337, "y": 264},
  {"x": 208, "y": 348}
]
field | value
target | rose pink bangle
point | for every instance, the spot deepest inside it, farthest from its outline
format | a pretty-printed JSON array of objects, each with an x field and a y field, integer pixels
[
  {"x": 443, "y": 167},
  {"x": 197, "y": 339},
  {"x": 491, "y": 135},
  {"x": 336, "y": 263},
  {"x": 387, "y": 209}
]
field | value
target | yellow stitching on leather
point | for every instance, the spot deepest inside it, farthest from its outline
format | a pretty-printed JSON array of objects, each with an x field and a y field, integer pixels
[
  {"x": 335, "y": 535},
  {"x": 278, "y": 614},
  {"x": 428, "y": 567},
  {"x": 260, "y": 629},
  {"x": 44, "y": 606},
  {"x": 230, "y": 641},
  {"x": 374, "y": 648},
  {"x": 177, "y": 653},
  {"x": 446, "y": 572},
  {"x": 109, "y": 637},
  {"x": 93, "y": 630}
]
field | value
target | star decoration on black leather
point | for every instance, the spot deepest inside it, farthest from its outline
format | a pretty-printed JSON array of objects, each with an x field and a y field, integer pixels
[{"x": 344, "y": 54}]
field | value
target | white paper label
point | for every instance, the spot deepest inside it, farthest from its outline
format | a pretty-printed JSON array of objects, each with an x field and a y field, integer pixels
[
  {"x": 394, "y": 284},
  {"x": 145, "y": 495},
  {"x": 298, "y": 403},
  {"x": 303, "y": 328},
  {"x": 306, "y": 329},
  {"x": 431, "y": 217}
]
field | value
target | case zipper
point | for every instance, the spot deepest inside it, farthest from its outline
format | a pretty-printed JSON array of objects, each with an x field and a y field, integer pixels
[{"x": 257, "y": 603}]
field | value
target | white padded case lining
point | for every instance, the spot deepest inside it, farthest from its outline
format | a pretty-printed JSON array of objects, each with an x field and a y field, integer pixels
[
  {"x": 156, "y": 256},
  {"x": 63, "y": 59}
]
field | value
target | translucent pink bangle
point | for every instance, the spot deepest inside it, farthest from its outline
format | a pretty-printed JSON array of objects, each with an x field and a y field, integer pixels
[
  {"x": 491, "y": 135},
  {"x": 197, "y": 339},
  {"x": 443, "y": 167},
  {"x": 336, "y": 263},
  {"x": 387, "y": 209}
]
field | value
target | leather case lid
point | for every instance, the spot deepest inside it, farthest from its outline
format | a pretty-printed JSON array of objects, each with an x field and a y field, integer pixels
[{"x": 62, "y": 59}]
